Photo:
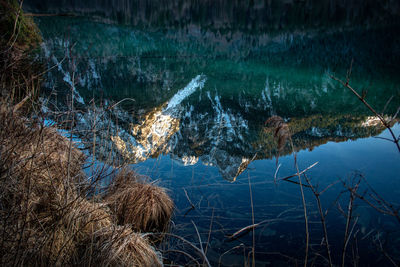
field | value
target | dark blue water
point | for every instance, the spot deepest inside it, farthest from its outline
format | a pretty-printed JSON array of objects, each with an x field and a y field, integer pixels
[{"x": 228, "y": 207}]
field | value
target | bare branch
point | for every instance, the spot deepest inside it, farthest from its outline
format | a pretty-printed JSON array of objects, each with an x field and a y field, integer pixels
[
  {"x": 299, "y": 173},
  {"x": 384, "y": 122}
]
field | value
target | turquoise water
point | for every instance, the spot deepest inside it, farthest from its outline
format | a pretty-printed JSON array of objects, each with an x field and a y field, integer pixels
[{"x": 196, "y": 124}]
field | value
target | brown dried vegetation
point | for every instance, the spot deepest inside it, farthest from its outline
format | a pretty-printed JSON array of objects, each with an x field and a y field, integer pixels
[
  {"x": 120, "y": 246},
  {"x": 48, "y": 217},
  {"x": 45, "y": 220},
  {"x": 146, "y": 207}
]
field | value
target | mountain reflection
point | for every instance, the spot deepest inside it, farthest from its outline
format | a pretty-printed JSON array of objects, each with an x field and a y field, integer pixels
[
  {"x": 221, "y": 137},
  {"x": 157, "y": 127},
  {"x": 202, "y": 96}
]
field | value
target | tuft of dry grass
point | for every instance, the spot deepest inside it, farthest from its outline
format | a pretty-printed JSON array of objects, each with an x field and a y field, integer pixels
[
  {"x": 41, "y": 151},
  {"x": 86, "y": 217},
  {"x": 57, "y": 248},
  {"x": 123, "y": 179},
  {"x": 146, "y": 207},
  {"x": 120, "y": 246}
]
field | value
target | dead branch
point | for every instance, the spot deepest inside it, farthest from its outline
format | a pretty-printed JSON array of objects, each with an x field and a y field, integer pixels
[
  {"x": 322, "y": 217},
  {"x": 349, "y": 217},
  {"x": 362, "y": 99},
  {"x": 299, "y": 173},
  {"x": 248, "y": 228}
]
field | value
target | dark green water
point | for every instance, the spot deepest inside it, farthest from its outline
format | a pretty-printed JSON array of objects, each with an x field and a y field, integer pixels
[{"x": 201, "y": 98}]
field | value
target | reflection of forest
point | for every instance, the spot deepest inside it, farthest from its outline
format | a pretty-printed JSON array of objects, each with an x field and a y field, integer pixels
[
  {"x": 226, "y": 14},
  {"x": 313, "y": 131},
  {"x": 116, "y": 62}
]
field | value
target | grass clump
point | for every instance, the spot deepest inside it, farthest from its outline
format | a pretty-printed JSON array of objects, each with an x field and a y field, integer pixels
[
  {"x": 36, "y": 190},
  {"x": 120, "y": 246},
  {"x": 146, "y": 207},
  {"x": 86, "y": 217}
]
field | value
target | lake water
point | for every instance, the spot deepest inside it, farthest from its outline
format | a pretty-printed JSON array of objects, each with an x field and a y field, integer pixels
[{"x": 187, "y": 106}]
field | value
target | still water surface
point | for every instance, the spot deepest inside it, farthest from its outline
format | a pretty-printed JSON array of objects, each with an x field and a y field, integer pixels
[{"x": 201, "y": 97}]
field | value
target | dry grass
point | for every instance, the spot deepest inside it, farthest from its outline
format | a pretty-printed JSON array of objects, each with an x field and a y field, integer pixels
[
  {"x": 123, "y": 178},
  {"x": 120, "y": 246},
  {"x": 146, "y": 207},
  {"x": 85, "y": 218},
  {"x": 35, "y": 164},
  {"x": 46, "y": 218},
  {"x": 58, "y": 248},
  {"x": 38, "y": 150},
  {"x": 45, "y": 221},
  {"x": 35, "y": 190}
]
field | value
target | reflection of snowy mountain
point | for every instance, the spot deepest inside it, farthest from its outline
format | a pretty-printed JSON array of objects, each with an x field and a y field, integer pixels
[
  {"x": 221, "y": 137},
  {"x": 195, "y": 125},
  {"x": 153, "y": 134},
  {"x": 165, "y": 130},
  {"x": 218, "y": 121}
]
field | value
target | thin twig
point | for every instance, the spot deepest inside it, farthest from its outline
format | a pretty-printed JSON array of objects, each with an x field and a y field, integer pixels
[
  {"x": 304, "y": 205},
  {"x": 276, "y": 172},
  {"x": 386, "y": 254},
  {"x": 387, "y": 104},
  {"x": 119, "y": 102},
  {"x": 198, "y": 235},
  {"x": 252, "y": 220},
  {"x": 226, "y": 252},
  {"x": 248, "y": 228},
  {"x": 322, "y": 216},
  {"x": 395, "y": 116},
  {"x": 201, "y": 252},
  {"x": 349, "y": 216},
  {"x": 187, "y": 196},
  {"x": 21, "y": 103},
  {"x": 182, "y": 252},
  {"x": 209, "y": 232},
  {"x": 380, "y": 117},
  {"x": 299, "y": 173}
]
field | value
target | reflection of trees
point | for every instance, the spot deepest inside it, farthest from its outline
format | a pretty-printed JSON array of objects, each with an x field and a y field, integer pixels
[
  {"x": 117, "y": 63},
  {"x": 313, "y": 131},
  {"x": 228, "y": 14}
]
